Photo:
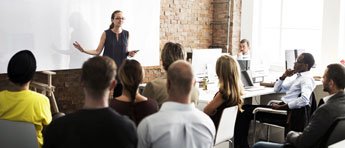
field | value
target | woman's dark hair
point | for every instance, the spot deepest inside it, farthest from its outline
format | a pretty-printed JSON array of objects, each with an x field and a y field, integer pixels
[
  {"x": 113, "y": 17},
  {"x": 131, "y": 75}
]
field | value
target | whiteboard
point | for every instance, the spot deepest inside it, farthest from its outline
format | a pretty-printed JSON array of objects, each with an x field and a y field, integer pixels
[{"x": 49, "y": 27}]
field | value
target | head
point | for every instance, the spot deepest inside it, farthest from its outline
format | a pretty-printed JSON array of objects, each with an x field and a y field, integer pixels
[
  {"x": 228, "y": 72},
  {"x": 98, "y": 76},
  {"x": 21, "y": 67},
  {"x": 334, "y": 78},
  {"x": 180, "y": 79},
  {"x": 171, "y": 52},
  {"x": 304, "y": 62},
  {"x": 131, "y": 75},
  {"x": 244, "y": 45},
  {"x": 117, "y": 19}
]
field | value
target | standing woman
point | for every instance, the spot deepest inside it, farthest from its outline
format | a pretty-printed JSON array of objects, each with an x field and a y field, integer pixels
[
  {"x": 230, "y": 88},
  {"x": 114, "y": 41}
]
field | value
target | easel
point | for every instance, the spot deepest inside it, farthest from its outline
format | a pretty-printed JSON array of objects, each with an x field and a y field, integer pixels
[{"x": 47, "y": 89}]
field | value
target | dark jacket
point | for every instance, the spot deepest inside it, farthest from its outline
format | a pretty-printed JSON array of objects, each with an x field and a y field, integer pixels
[{"x": 320, "y": 122}]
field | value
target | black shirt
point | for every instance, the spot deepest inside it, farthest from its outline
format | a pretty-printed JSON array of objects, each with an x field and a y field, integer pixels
[{"x": 91, "y": 128}]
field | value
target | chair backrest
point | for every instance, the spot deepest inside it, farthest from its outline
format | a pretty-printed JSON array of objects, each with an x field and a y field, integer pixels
[
  {"x": 336, "y": 132},
  {"x": 226, "y": 125},
  {"x": 17, "y": 134}
]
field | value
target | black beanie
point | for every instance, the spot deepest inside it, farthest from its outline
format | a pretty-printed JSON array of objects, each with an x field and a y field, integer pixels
[{"x": 22, "y": 67}]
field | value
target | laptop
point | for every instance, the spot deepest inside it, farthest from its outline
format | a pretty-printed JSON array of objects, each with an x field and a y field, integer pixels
[{"x": 248, "y": 81}]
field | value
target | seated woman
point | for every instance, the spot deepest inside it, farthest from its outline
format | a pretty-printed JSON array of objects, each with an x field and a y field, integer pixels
[
  {"x": 131, "y": 103},
  {"x": 230, "y": 88}
]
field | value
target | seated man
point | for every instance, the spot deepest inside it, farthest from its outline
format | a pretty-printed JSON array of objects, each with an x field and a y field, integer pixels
[
  {"x": 96, "y": 125},
  {"x": 19, "y": 103},
  {"x": 178, "y": 123},
  {"x": 298, "y": 89},
  {"x": 334, "y": 84},
  {"x": 156, "y": 89}
]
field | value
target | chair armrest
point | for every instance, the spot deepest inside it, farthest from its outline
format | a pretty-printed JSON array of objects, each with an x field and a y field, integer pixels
[
  {"x": 269, "y": 110},
  {"x": 274, "y": 101}
]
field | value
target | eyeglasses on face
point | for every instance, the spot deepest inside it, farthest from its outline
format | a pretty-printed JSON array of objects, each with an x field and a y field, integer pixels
[{"x": 119, "y": 18}]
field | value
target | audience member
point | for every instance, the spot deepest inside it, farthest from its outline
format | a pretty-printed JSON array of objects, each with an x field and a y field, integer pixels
[
  {"x": 178, "y": 123},
  {"x": 156, "y": 89},
  {"x": 298, "y": 88},
  {"x": 19, "y": 103},
  {"x": 230, "y": 88},
  {"x": 96, "y": 125},
  {"x": 244, "y": 52},
  {"x": 311, "y": 137},
  {"x": 131, "y": 103}
]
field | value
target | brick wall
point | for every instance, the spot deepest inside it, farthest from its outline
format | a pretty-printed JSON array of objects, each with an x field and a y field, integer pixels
[{"x": 193, "y": 23}]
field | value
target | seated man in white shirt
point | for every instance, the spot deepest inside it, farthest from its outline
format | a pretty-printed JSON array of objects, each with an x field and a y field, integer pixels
[
  {"x": 298, "y": 88},
  {"x": 314, "y": 133},
  {"x": 178, "y": 123}
]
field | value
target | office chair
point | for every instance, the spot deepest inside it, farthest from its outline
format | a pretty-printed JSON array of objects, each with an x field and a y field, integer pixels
[
  {"x": 296, "y": 119},
  {"x": 17, "y": 134},
  {"x": 226, "y": 128},
  {"x": 335, "y": 133}
]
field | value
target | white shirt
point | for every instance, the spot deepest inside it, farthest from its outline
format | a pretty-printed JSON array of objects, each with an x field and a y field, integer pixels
[
  {"x": 299, "y": 84},
  {"x": 176, "y": 125},
  {"x": 245, "y": 56}
]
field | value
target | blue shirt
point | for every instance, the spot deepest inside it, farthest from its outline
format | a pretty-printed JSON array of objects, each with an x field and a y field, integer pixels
[
  {"x": 116, "y": 48},
  {"x": 176, "y": 125},
  {"x": 301, "y": 84}
]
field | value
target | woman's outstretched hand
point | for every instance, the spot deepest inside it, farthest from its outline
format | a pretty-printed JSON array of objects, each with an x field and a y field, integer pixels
[{"x": 77, "y": 45}]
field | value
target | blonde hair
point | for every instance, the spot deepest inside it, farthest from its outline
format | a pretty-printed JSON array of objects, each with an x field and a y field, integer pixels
[{"x": 230, "y": 85}]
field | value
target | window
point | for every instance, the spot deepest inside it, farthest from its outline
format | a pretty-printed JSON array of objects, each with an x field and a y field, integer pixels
[{"x": 284, "y": 25}]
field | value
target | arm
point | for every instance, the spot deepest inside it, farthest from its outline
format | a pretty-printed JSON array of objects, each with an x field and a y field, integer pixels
[
  {"x": 314, "y": 131},
  {"x": 212, "y": 106},
  {"x": 97, "y": 51},
  {"x": 278, "y": 86},
  {"x": 307, "y": 87}
]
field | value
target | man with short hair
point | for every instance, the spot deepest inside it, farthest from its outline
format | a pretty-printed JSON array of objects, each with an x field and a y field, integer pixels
[
  {"x": 333, "y": 83},
  {"x": 298, "y": 85},
  {"x": 19, "y": 103},
  {"x": 156, "y": 89},
  {"x": 96, "y": 125},
  {"x": 178, "y": 123}
]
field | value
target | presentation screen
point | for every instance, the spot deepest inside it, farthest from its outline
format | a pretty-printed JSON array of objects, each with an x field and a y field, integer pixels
[{"x": 49, "y": 27}]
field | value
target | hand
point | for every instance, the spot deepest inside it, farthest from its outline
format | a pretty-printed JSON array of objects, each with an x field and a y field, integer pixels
[
  {"x": 132, "y": 53},
  {"x": 287, "y": 73},
  {"x": 280, "y": 107},
  {"x": 77, "y": 45}
]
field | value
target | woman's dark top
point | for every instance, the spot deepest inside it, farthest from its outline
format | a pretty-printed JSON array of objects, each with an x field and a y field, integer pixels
[
  {"x": 116, "y": 48},
  {"x": 137, "y": 111},
  {"x": 219, "y": 111}
]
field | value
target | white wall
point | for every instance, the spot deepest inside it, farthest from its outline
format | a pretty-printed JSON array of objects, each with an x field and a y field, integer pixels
[{"x": 48, "y": 28}]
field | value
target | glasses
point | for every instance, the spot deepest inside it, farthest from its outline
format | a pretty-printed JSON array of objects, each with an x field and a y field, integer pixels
[
  {"x": 120, "y": 18},
  {"x": 299, "y": 62}
]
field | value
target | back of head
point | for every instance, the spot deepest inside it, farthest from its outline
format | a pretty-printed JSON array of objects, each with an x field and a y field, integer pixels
[
  {"x": 97, "y": 74},
  {"x": 21, "y": 67},
  {"x": 228, "y": 73},
  {"x": 131, "y": 75},
  {"x": 180, "y": 78},
  {"x": 171, "y": 52},
  {"x": 336, "y": 72},
  {"x": 308, "y": 59}
]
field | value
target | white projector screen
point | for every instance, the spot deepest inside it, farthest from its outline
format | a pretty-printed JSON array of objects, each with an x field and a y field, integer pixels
[{"x": 49, "y": 27}]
